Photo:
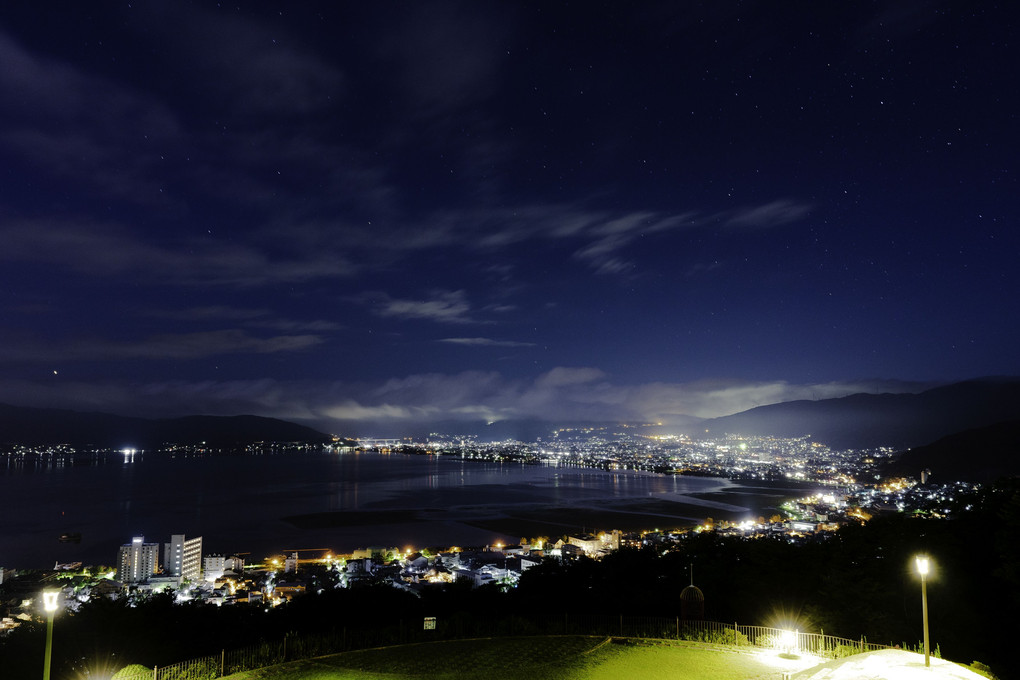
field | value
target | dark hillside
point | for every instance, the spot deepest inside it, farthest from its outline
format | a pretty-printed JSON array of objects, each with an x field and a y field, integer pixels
[
  {"x": 32, "y": 426},
  {"x": 979, "y": 455},
  {"x": 868, "y": 420}
]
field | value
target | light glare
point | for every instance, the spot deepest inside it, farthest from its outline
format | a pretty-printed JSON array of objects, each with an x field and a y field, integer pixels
[{"x": 50, "y": 600}]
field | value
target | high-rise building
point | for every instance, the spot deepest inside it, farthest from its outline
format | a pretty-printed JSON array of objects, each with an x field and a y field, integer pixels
[
  {"x": 137, "y": 560},
  {"x": 183, "y": 557}
]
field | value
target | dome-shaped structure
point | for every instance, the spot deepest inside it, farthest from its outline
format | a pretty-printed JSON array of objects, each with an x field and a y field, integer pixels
[{"x": 692, "y": 601}]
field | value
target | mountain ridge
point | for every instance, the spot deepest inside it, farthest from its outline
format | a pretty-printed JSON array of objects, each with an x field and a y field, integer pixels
[
  {"x": 41, "y": 426},
  {"x": 864, "y": 420},
  {"x": 860, "y": 420}
]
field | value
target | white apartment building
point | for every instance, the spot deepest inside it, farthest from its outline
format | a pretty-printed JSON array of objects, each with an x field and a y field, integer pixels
[
  {"x": 137, "y": 560},
  {"x": 183, "y": 557}
]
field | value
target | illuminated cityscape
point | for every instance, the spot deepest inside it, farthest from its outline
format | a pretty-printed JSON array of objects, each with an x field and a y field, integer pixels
[
  {"x": 854, "y": 494},
  {"x": 659, "y": 278}
]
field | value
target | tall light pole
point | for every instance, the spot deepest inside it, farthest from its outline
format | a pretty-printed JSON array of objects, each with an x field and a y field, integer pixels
[
  {"x": 922, "y": 569},
  {"x": 50, "y": 605}
]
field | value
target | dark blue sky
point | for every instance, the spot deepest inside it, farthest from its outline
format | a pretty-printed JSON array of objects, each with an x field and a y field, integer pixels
[{"x": 417, "y": 211}]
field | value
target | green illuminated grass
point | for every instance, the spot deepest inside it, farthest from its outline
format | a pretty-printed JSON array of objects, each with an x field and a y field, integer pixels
[{"x": 537, "y": 658}]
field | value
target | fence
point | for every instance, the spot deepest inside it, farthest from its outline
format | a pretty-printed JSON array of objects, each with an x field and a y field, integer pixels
[{"x": 296, "y": 647}]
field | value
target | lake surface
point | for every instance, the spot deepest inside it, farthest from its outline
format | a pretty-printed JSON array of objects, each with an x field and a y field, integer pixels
[{"x": 268, "y": 504}]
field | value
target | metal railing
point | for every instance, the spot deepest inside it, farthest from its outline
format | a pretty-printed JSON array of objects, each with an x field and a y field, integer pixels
[{"x": 297, "y": 647}]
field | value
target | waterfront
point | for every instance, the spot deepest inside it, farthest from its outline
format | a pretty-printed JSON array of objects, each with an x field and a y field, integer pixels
[{"x": 265, "y": 504}]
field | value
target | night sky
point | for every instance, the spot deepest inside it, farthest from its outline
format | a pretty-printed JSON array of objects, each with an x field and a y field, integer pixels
[{"x": 366, "y": 216}]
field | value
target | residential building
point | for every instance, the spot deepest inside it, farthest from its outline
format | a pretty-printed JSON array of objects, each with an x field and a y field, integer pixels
[
  {"x": 137, "y": 560},
  {"x": 214, "y": 566},
  {"x": 183, "y": 557}
]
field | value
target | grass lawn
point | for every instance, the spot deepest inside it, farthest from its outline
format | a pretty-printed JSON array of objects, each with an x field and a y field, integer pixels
[{"x": 539, "y": 658}]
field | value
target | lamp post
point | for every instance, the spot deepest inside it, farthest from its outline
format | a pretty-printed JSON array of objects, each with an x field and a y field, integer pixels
[
  {"x": 50, "y": 605},
  {"x": 922, "y": 569}
]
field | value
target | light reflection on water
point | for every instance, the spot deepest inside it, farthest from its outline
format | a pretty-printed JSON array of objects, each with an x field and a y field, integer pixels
[{"x": 236, "y": 502}]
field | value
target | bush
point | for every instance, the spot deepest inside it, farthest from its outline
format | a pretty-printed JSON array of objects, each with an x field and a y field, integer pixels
[
  {"x": 723, "y": 637},
  {"x": 135, "y": 671},
  {"x": 982, "y": 669},
  {"x": 841, "y": 651}
]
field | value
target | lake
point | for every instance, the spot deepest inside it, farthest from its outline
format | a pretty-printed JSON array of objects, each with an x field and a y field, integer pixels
[{"x": 268, "y": 504}]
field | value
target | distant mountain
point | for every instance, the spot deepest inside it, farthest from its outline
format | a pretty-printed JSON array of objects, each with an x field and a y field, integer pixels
[
  {"x": 979, "y": 455},
  {"x": 897, "y": 420},
  {"x": 36, "y": 426}
]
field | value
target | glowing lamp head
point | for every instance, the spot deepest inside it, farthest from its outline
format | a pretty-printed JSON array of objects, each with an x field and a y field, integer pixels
[
  {"x": 50, "y": 600},
  {"x": 922, "y": 565}
]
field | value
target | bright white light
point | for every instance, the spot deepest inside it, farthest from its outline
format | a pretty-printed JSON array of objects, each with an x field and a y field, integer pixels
[
  {"x": 788, "y": 639},
  {"x": 922, "y": 565},
  {"x": 50, "y": 600}
]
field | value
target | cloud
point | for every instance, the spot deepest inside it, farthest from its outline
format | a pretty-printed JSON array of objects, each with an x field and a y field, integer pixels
[
  {"x": 712, "y": 398},
  {"x": 133, "y": 144},
  {"x": 195, "y": 345},
  {"x": 252, "y": 318},
  {"x": 351, "y": 410},
  {"x": 211, "y": 313},
  {"x": 561, "y": 376},
  {"x": 438, "y": 390},
  {"x": 109, "y": 250},
  {"x": 563, "y": 394},
  {"x": 766, "y": 216},
  {"x": 83, "y": 127},
  {"x": 308, "y": 251},
  {"x": 159, "y": 347},
  {"x": 443, "y": 307},
  {"x": 485, "y": 342},
  {"x": 600, "y": 238}
]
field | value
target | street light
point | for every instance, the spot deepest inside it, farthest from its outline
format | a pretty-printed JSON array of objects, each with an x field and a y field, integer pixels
[
  {"x": 50, "y": 605},
  {"x": 922, "y": 569}
]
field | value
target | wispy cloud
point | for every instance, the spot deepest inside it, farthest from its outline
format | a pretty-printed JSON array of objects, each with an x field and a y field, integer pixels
[
  {"x": 211, "y": 313},
  {"x": 251, "y": 318},
  {"x": 159, "y": 347},
  {"x": 107, "y": 250},
  {"x": 441, "y": 307},
  {"x": 485, "y": 342},
  {"x": 600, "y": 238},
  {"x": 766, "y": 216}
]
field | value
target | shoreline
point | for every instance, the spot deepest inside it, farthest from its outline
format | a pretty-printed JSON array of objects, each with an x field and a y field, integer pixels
[{"x": 739, "y": 500}]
